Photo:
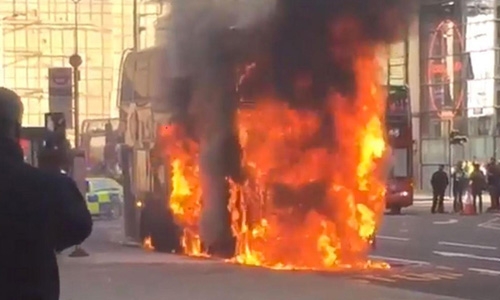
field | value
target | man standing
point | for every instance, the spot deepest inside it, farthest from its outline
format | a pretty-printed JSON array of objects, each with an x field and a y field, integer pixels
[
  {"x": 492, "y": 177},
  {"x": 460, "y": 181},
  {"x": 41, "y": 212},
  {"x": 439, "y": 183},
  {"x": 477, "y": 184}
]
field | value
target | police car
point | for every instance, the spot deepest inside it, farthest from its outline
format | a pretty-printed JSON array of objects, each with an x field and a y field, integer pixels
[{"x": 104, "y": 197}]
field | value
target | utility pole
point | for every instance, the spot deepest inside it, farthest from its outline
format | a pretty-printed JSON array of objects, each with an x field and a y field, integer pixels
[
  {"x": 75, "y": 61},
  {"x": 450, "y": 154},
  {"x": 135, "y": 24},
  {"x": 455, "y": 138}
]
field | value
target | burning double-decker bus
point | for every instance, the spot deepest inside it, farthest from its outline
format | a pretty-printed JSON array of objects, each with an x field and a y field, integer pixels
[
  {"x": 292, "y": 181},
  {"x": 400, "y": 139}
]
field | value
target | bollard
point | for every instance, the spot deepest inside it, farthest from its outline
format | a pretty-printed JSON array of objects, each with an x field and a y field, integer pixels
[{"x": 78, "y": 252}]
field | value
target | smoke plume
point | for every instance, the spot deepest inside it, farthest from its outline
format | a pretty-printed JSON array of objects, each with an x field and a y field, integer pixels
[
  {"x": 317, "y": 39},
  {"x": 322, "y": 38}
]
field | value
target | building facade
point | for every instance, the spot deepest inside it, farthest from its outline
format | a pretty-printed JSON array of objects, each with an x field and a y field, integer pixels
[
  {"x": 454, "y": 76},
  {"x": 449, "y": 59},
  {"x": 40, "y": 34}
]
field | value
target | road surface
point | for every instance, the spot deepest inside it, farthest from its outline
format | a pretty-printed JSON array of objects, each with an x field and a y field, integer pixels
[
  {"x": 433, "y": 257},
  {"x": 446, "y": 254}
]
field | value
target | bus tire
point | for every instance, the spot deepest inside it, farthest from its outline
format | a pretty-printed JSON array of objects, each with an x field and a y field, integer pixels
[
  {"x": 158, "y": 222},
  {"x": 395, "y": 210}
]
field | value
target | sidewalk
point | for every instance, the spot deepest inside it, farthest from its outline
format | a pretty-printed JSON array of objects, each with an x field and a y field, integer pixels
[{"x": 423, "y": 196}]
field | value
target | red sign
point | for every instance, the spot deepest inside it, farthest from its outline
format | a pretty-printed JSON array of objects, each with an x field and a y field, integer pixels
[{"x": 441, "y": 69}]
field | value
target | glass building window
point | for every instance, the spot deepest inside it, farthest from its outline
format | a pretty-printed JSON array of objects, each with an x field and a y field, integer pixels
[
  {"x": 480, "y": 27},
  {"x": 457, "y": 42},
  {"x": 47, "y": 40}
]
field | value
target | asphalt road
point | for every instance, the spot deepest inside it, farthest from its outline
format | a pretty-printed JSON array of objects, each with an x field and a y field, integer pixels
[
  {"x": 447, "y": 254},
  {"x": 433, "y": 257},
  {"x": 113, "y": 272}
]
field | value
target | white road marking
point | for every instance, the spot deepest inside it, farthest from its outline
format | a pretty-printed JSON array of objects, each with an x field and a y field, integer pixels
[
  {"x": 428, "y": 203},
  {"x": 379, "y": 278},
  {"x": 491, "y": 224},
  {"x": 392, "y": 238},
  {"x": 444, "y": 268},
  {"x": 465, "y": 255},
  {"x": 450, "y": 221},
  {"x": 399, "y": 260},
  {"x": 485, "y": 271},
  {"x": 467, "y": 246}
]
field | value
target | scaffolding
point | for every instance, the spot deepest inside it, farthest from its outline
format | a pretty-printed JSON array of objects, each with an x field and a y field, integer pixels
[{"x": 39, "y": 34}]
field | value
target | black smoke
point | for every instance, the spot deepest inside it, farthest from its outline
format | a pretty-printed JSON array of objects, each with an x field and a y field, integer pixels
[{"x": 321, "y": 39}]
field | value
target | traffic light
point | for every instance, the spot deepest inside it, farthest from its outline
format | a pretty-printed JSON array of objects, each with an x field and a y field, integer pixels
[{"x": 457, "y": 139}]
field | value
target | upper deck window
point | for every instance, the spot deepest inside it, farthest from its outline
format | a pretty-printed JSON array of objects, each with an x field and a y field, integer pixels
[
  {"x": 398, "y": 102},
  {"x": 398, "y": 107}
]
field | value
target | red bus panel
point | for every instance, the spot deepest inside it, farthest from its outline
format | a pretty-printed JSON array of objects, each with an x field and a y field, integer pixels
[{"x": 400, "y": 139}]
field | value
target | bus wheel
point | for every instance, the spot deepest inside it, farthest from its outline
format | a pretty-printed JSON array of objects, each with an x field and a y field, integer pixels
[
  {"x": 159, "y": 223},
  {"x": 395, "y": 210}
]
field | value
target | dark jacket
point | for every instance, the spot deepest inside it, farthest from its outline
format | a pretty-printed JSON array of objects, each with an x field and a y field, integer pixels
[
  {"x": 492, "y": 174},
  {"x": 439, "y": 181},
  {"x": 478, "y": 182},
  {"x": 40, "y": 213},
  {"x": 460, "y": 181}
]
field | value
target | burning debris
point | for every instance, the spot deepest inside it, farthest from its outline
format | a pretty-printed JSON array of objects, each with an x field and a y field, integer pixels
[{"x": 295, "y": 179}]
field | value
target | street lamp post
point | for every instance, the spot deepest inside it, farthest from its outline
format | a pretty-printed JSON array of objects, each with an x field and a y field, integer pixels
[{"x": 75, "y": 61}]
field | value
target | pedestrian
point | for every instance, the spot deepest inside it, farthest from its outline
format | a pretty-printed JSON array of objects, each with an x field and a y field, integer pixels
[
  {"x": 496, "y": 181},
  {"x": 460, "y": 182},
  {"x": 493, "y": 178},
  {"x": 477, "y": 185},
  {"x": 439, "y": 183},
  {"x": 41, "y": 212}
]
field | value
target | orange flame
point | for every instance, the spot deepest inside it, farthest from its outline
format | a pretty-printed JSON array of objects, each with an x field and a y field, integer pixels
[
  {"x": 184, "y": 200},
  {"x": 148, "y": 244},
  {"x": 301, "y": 207}
]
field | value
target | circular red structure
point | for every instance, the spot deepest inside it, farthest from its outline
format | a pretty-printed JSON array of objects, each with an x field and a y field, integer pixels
[{"x": 438, "y": 66}]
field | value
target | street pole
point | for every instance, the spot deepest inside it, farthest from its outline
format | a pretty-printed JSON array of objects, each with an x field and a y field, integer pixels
[
  {"x": 76, "y": 61},
  {"x": 450, "y": 155},
  {"x": 495, "y": 131},
  {"x": 135, "y": 24}
]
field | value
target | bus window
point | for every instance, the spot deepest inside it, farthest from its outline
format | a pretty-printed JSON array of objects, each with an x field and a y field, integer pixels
[
  {"x": 399, "y": 163},
  {"x": 398, "y": 102}
]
